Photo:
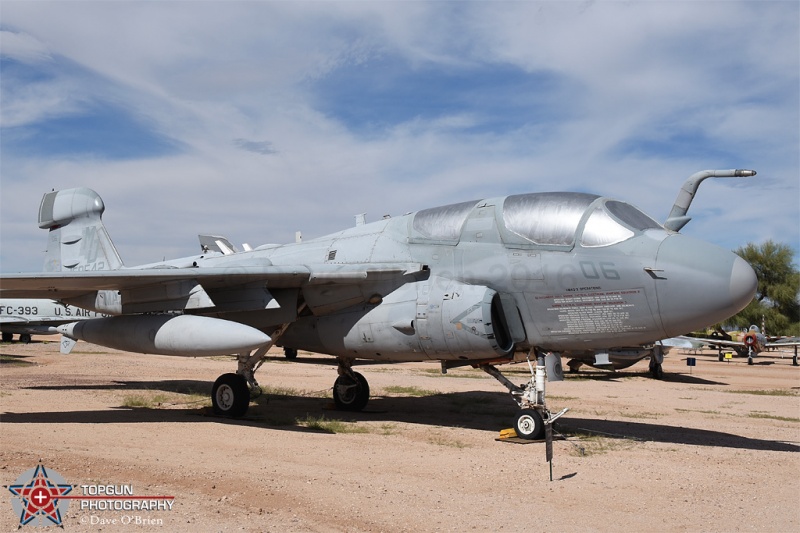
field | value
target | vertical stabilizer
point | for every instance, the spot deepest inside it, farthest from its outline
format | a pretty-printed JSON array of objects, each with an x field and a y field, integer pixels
[{"x": 77, "y": 238}]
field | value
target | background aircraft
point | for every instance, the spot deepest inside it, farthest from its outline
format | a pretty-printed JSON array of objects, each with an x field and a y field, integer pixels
[
  {"x": 473, "y": 283},
  {"x": 753, "y": 343},
  {"x": 26, "y": 317}
]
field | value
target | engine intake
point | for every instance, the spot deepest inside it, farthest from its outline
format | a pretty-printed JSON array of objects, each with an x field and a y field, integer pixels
[{"x": 464, "y": 320}]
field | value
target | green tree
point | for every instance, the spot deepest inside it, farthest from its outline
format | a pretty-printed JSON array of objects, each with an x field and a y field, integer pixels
[{"x": 778, "y": 294}]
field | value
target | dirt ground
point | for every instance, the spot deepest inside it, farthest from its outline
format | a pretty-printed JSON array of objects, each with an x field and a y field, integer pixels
[{"x": 711, "y": 450}]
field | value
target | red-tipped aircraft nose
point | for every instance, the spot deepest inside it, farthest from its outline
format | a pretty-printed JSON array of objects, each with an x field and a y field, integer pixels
[{"x": 699, "y": 284}]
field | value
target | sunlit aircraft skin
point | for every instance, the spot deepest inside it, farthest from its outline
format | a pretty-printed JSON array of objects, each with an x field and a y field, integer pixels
[
  {"x": 753, "y": 343},
  {"x": 472, "y": 283},
  {"x": 26, "y": 317}
]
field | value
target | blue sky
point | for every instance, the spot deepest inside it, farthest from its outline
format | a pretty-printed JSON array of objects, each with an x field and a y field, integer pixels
[{"x": 258, "y": 119}]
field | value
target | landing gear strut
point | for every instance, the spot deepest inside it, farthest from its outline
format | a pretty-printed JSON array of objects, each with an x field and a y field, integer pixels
[
  {"x": 231, "y": 393},
  {"x": 533, "y": 414}
]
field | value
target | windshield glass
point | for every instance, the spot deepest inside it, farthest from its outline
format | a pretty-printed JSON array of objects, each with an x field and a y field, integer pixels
[
  {"x": 631, "y": 216},
  {"x": 602, "y": 230},
  {"x": 614, "y": 222}
]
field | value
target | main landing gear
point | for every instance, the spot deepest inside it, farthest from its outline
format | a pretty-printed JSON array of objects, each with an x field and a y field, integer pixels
[
  {"x": 24, "y": 338},
  {"x": 656, "y": 358},
  {"x": 533, "y": 414},
  {"x": 351, "y": 390},
  {"x": 231, "y": 393}
]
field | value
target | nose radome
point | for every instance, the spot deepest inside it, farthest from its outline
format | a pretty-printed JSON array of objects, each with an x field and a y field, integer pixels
[
  {"x": 744, "y": 283},
  {"x": 700, "y": 284}
]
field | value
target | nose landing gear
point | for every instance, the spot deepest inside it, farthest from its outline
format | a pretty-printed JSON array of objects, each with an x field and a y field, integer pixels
[{"x": 533, "y": 415}]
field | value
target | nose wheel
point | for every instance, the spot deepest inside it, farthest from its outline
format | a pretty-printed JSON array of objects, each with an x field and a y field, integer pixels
[{"x": 529, "y": 424}]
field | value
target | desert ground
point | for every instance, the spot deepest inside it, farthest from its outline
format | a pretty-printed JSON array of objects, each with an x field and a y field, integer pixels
[{"x": 710, "y": 448}]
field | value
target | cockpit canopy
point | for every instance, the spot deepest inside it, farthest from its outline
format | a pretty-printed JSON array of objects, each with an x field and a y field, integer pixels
[
  {"x": 557, "y": 219},
  {"x": 546, "y": 218}
]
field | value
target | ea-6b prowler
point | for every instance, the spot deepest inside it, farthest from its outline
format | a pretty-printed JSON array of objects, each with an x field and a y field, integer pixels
[{"x": 472, "y": 283}]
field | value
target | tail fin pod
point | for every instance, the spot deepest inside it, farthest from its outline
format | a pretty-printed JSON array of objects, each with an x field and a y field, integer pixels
[{"x": 77, "y": 238}]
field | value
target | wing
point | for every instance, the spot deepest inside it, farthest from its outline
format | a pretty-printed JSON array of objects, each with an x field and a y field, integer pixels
[
  {"x": 711, "y": 340},
  {"x": 12, "y": 320},
  {"x": 785, "y": 344},
  {"x": 39, "y": 320},
  {"x": 681, "y": 342},
  {"x": 66, "y": 285},
  {"x": 234, "y": 288},
  {"x": 42, "y": 325}
]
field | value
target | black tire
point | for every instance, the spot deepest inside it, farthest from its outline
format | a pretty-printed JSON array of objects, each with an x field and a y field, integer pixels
[
  {"x": 8, "y": 337},
  {"x": 25, "y": 338},
  {"x": 529, "y": 425},
  {"x": 657, "y": 372},
  {"x": 290, "y": 353},
  {"x": 350, "y": 396},
  {"x": 230, "y": 395},
  {"x": 721, "y": 357}
]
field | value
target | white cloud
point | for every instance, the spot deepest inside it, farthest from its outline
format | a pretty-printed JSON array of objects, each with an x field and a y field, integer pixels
[
  {"x": 233, "y": 84},
  {"x": 23, "y": 47}
]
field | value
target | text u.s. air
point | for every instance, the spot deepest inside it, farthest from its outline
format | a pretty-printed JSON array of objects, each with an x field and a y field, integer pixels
[{"x": 477, "y": 283}]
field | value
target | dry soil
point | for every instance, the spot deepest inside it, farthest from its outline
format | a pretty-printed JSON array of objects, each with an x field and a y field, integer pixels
[{"x": 711, "y": 448}]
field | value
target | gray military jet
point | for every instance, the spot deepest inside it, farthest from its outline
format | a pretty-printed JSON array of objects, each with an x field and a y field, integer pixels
[
  {"x": 26, "y": 317},
  {"x": 473, "y": 283}
]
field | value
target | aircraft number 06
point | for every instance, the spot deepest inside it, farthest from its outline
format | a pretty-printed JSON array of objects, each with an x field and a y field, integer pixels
[{"x": 606, "y": 270}]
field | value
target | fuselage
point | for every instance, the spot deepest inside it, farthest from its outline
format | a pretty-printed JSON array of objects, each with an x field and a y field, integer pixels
[
  {"x": 38, "y": 316},
  {"x": 23, "y": 315},
  {"x": 565, "y": 272}
]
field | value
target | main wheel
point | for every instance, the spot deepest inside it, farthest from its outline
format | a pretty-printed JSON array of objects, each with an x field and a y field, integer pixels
[
  {"x": 529, "y": 424},
  {"x": 349, "y": 395},
  {"x": 25, "y": 338},
  {"x": 290, "y": 353},
  {"x": 657, "y": 372},
  {"x": 230, "y": 395},
  {"x": 8, "y": 337}
]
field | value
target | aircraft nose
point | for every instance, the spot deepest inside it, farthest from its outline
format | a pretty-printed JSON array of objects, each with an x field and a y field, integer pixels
[{"x": 699, "y": 284}]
